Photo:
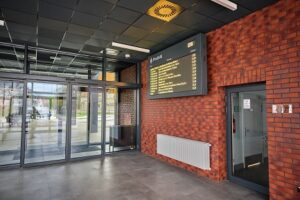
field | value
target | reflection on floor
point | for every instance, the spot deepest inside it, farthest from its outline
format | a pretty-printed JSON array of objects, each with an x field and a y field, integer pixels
[
  {"x": 125, "y": 176},
  {"x": 43, "y": 153},
  {"x": 54, "y": 152},
  {"x": 257, "y": 173}
]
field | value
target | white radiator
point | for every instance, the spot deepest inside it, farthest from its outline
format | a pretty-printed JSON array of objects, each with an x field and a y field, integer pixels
[{"x": 192, "y": 152}]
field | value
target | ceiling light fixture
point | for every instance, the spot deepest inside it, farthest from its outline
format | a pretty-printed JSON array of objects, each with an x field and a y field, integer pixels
[
  {"x": 127, "y": 55},
  {"x": 2, "y": 22},
  {"x": 164, "y": 10},
  {"x": 126, "y": 46},
  {"x": 112, "y": 52},
  {"x": 227, "y": 4}
]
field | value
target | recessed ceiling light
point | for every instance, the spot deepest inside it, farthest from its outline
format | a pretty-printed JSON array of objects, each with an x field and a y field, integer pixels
[
  {"x": 130, "y": 47},
  {"x": 112, "y": 52},
  {"x": 127, "y": 55},
  {"x": 2, "y": 22},
  {"x": 227, "y": 4},
  {"x": 164, "y": 10}
]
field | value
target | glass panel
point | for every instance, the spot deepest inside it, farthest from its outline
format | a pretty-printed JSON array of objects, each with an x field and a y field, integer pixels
[
  {"x": 86, "y": 121},
  {"x": 249, "y": 137},
  {"x": 46, "y": 122},
  {"x": 120, "y": 119},
  {"x": 11, "y": 59},
  {"x": 110, "y": 76},
  {"x": 55, "y": 63},
  {"x": 11, "y": 104}
]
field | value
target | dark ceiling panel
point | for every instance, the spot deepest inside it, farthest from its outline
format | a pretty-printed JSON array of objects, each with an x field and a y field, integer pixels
[
  {"x": 186, "y": 3},
  {"x": 90, "y": 48},
  {"x": 82, "y": 19},
  {"x": 188, "y": 19},
  {"x": 75, "y": 38},
  {"x": 54, "y": 12},
  {"x": 170, "y": 29},
  {"x": 228, "y": 16},
  {"x": 208, "y": 24},
  {"x": 28, "y": 6},
  {"x": 94, "y": 7},
  {"x": 80, "y": 30},
  {"x": 3, "y": 33},
  {"x": 145, "y": 44},
  {"x": 20, "y": 17},
  {"x": 70, "y": 45},
  {"x": 124, "y": 15},
  {"x": 148, "y": 23},
  {"x": 254, "y": 4},
  {"x": 208, "y": 8},
  {"x": 158, "y": 47},
  {"x": 126, "y": 39},
  {"x": 135, "y": 32},
  {"x": 113, "y": 26},
  {"x": 52, "y": 34},
  {"x": 103, "y": 35},
  {"x": 97, "y": 43},
  {"x": 112, "y": 1},
  {"x": 64, "y": 3},
  {"x": 49, "y": 43},
  {"x": 185, "y": 34},
  {"x": 156, "y": 37},
  {"x": 31, "y": 30},
  {"x": 137, "y": 5},
  {"x": 23, "y": 37},
  {"x": 52, "y": 24}
]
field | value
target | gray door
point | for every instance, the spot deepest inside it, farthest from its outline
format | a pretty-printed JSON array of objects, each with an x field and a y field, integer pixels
[{"x": 247, "y": 137}]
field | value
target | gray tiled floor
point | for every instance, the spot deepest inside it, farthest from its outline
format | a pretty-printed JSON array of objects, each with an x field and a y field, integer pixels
[{"x": 125, "y": 176}]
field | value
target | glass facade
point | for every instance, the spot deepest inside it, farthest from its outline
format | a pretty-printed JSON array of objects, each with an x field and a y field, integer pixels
[{"x": 55, "y": 106}]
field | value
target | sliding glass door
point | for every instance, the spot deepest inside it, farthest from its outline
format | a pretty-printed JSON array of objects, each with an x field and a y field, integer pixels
[
  {"x": 11, "y": 104},
  {"x": 86, "y": 123},
  {"x": 45, "y": 122}
]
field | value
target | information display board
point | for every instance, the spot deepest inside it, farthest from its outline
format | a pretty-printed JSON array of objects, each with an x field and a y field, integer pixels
[{"x": 179, "y": 70}]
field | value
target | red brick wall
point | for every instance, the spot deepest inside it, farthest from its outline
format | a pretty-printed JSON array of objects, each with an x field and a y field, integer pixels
[
  {"x": 128, "y": 75},
  {"x": 261, "y": 47},
  {"x": 127, "y": 107},
  {"x": 127, "y": 98}
]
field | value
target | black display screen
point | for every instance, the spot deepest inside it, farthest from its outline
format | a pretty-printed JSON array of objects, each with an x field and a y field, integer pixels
[
  {"x": 179, "y": 70},
  {"x": 175, "y": 76}
]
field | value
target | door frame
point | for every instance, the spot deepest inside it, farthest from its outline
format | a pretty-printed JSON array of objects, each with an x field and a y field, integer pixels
[{"x": 240, "y": 181}]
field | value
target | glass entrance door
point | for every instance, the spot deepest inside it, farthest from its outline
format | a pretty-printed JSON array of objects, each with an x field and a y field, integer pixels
[
  {"x": 247, "y": 137},
  {"x": 11, "y": 109},
  {"x": 86, "y": 123},
  {"x": 45, "y": 132},
  {"x": 45, "y": 122}
]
